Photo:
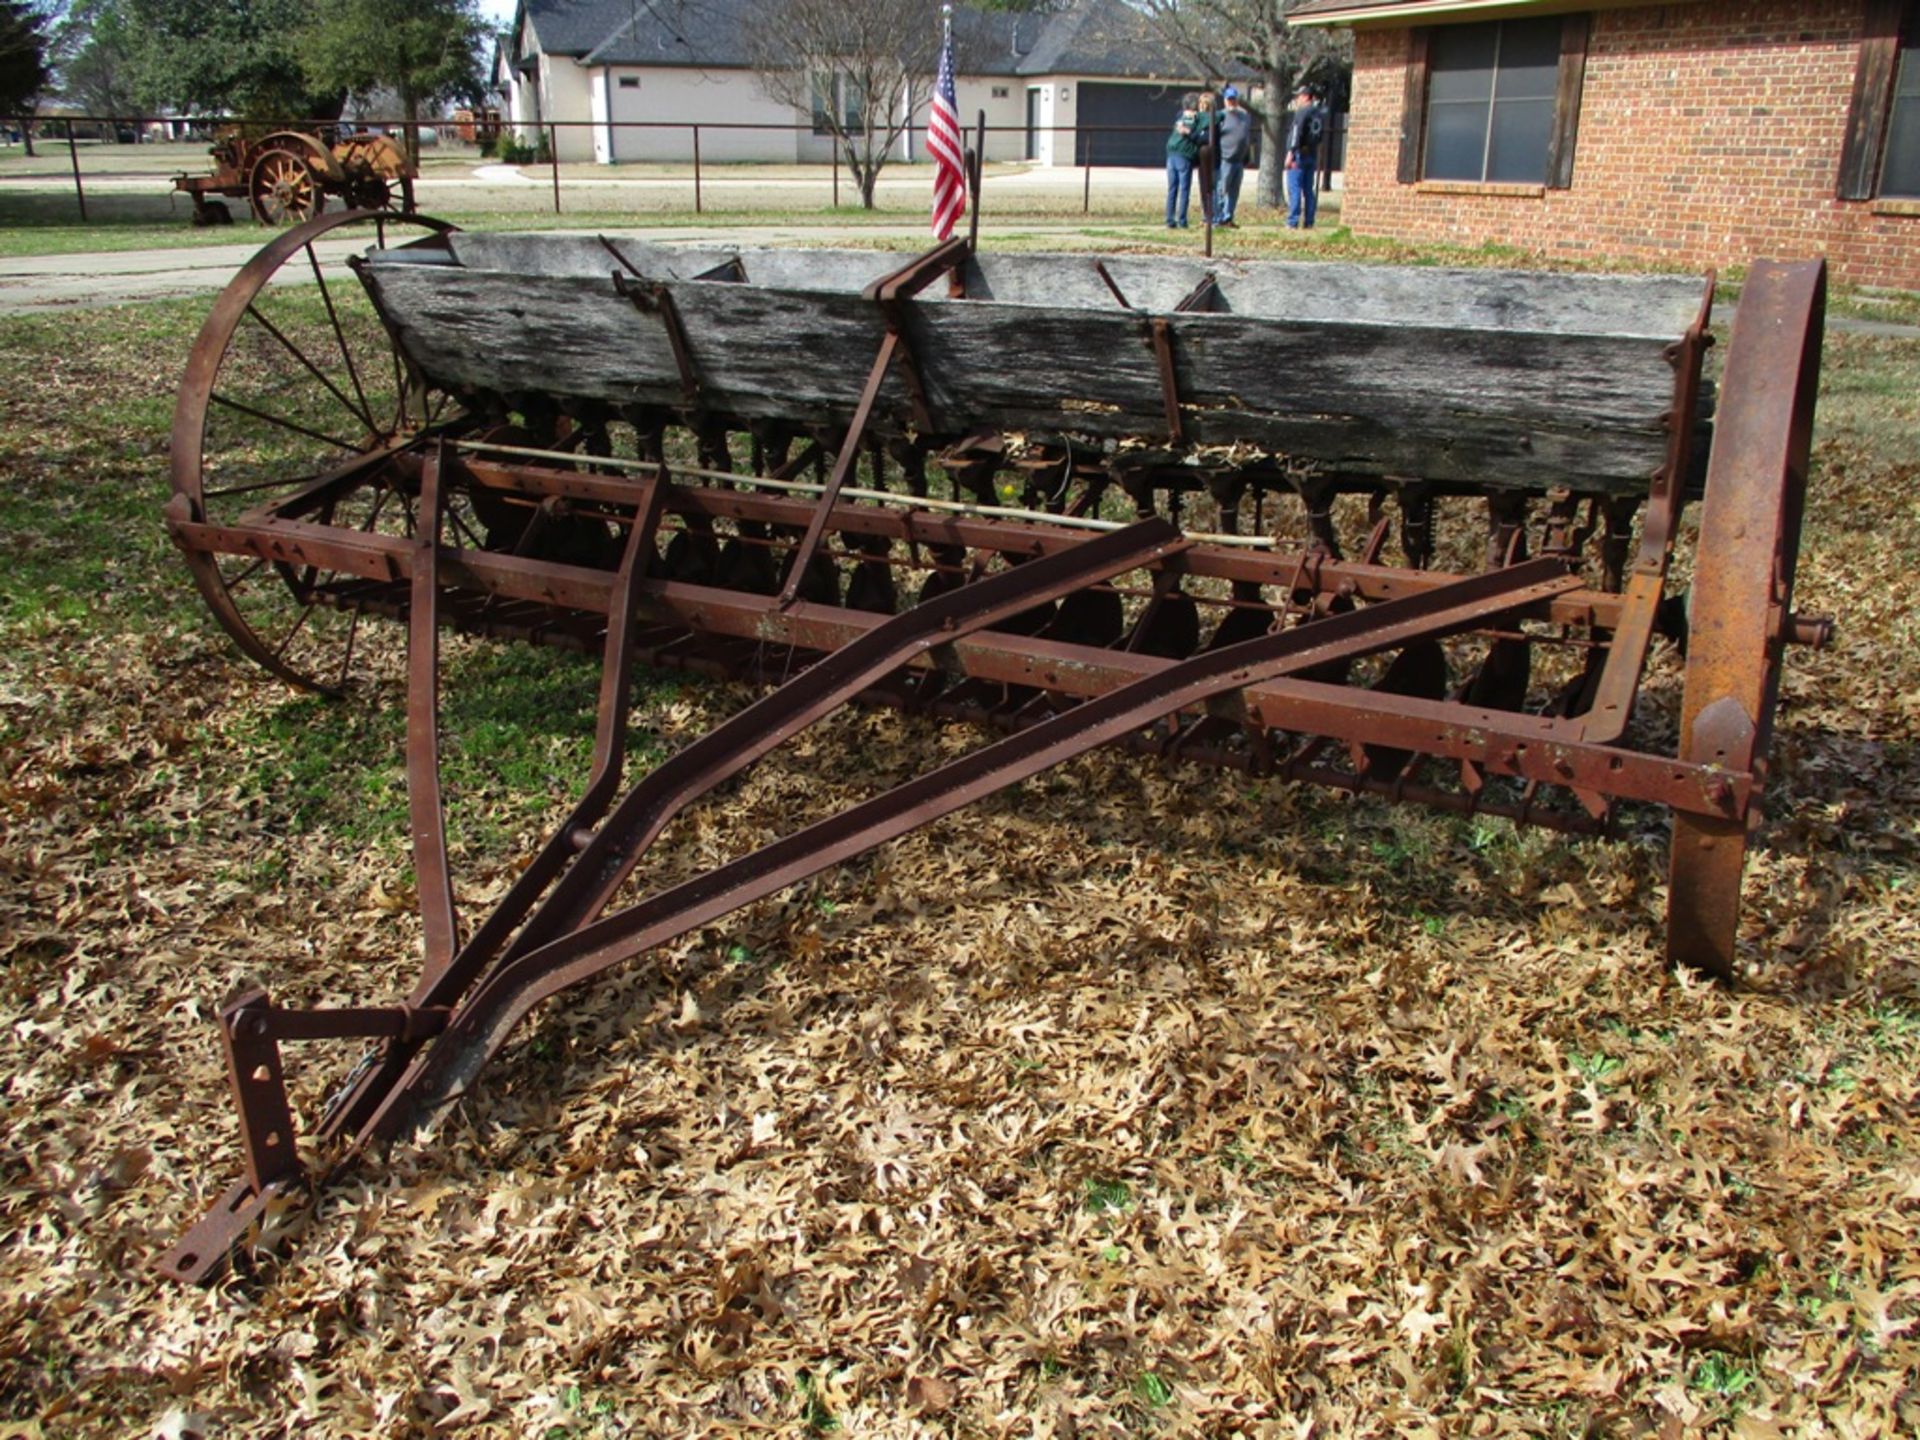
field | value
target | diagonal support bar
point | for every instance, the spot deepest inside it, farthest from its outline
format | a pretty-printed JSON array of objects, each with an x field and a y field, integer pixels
[
  {"x": 484, "y": 1022},
  {"x": 775, "y": 718},
  {"x": 843, "y": 465},
  {"x": 439, "y": 987}
]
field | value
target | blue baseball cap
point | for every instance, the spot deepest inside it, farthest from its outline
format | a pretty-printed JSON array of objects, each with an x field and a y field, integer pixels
[{"x": 1229, "y": 93}]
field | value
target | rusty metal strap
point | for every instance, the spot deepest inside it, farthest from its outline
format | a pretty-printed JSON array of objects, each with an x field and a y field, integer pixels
[
  {"x": 843, "y": 465},
  {"x": 652, "y": 298},
  {"x": 1160, "y": 337},
  {"x": 1199, "y": 298},
  {"x": 425, "y": 813},
  {"x": 921, "y": 271}
]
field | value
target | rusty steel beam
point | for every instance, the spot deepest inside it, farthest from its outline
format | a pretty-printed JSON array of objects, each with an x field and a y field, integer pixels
[
  {"x": 1606, "y": 719},
  {"x": 426, "y": 814},
  {"x": 1310, "y": 569},
  {"x": 1742, "y": 599},
  {"x": 1529, "y": 747},
  {"x": 483, "y": 1022}
]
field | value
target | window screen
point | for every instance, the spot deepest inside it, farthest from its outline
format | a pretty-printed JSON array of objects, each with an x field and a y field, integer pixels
[
  {"x": 1901, "y": 174},
  {"x": 1490, "y": 92}
]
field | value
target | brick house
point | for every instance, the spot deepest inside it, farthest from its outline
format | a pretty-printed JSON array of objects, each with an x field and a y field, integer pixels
[{"x": 1706, "y": 132}]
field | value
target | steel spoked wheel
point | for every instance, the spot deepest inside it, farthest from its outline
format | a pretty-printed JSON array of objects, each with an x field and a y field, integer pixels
[
  {"x": 298, "y": 406},
  {"x": 284, "y": 190}
]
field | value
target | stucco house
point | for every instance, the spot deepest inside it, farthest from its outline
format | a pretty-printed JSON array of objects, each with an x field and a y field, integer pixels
[
  {"x": 624, "y": 81},
  {"x": 1702, "y": 132}
]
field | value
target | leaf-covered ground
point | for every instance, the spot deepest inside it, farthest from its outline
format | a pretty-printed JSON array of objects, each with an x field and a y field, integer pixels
[{"x": 1142, "y": 1101}]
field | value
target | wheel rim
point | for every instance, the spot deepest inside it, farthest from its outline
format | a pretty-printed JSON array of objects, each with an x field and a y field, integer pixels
[
  {"x": 1750, "y": 527},
  {"x": 285, "y": 190},
  {"x": 293, "y": 393}
]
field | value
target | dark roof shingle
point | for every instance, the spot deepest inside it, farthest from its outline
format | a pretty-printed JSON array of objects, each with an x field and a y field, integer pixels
[{"x": 1093, "y": 37}]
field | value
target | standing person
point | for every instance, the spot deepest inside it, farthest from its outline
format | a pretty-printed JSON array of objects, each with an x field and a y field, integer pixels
[
  {"x": 1183, "y": 148},
  {"x": 1306, "y": 128},
  {"x": 1236, "y": 140}
]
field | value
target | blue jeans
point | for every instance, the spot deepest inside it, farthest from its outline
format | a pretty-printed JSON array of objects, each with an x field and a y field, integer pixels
[
  {"x": 1300, "y": 193},
  {"x": 1232, "y": 172},
  {"x": 1180, "y": 184}
]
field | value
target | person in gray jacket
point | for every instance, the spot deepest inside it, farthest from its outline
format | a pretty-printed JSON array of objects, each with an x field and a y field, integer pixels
[{"x": 1236, "y": 143}]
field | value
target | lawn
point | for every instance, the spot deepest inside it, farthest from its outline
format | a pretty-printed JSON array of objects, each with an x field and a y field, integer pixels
[
  {"x": 1140, "y": 1101},
  {"x": 130, "y": 204}
]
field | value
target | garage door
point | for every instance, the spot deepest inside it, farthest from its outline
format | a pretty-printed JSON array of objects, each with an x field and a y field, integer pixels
[{"x": 1151, "y": 106}]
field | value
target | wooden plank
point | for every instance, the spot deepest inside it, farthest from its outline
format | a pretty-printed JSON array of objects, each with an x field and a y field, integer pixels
[
  {"x": 555, "y": 255},
  {"x": 755, "y": 352},
  {"x": 1653, "y": 307},
  {"x": 1413, "y": 107},
  {"x": 1515, "y": 410},
  {"x": 1505, "y": 379},
  {"x": 1647, "y": 305},
  {"x": 1872, "y": 104},
  {"x": 1574, "y": 30}
]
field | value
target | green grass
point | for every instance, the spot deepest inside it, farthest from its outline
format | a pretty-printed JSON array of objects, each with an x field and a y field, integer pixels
[
  {"x": 88, "y": 569},
  {"x": 1108, "y": 1196}
]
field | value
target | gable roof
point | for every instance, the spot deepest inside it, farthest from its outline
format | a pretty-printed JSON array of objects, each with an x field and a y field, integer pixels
[
  {"x": 1091, "y": 37},
  {"x": 1374, "y": 14}
]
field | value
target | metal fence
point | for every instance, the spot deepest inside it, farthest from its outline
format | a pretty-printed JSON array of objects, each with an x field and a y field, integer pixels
[{"x": 119, "y": 169}]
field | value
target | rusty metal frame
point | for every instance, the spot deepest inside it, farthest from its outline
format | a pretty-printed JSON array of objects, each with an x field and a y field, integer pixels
[
  {"x": 1742, "y": 617},
  {"x": 1274, "y": 702}
]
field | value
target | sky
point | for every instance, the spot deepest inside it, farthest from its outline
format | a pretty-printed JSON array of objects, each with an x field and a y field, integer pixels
[{"x": 497, "y": 13}]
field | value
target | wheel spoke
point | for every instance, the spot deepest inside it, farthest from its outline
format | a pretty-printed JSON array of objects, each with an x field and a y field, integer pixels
[
  {"x": 251, "y": 486},
  {"x": 465, "y": 529},
  {"x": 280, "y": 650},
  {"x": 346, "y": 657},
  {"x": 379, "y": 504},
  {"x": 281, "y": 421},
  {"x": 244, "y": 576},
  {"x": 359, "y": 414},
  {"x": 340, "y": 335}
]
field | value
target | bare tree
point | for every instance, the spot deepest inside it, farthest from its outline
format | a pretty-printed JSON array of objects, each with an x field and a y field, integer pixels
[
  {"x": 855, "y": 66},
  {"x": 1226, "y": 37}
]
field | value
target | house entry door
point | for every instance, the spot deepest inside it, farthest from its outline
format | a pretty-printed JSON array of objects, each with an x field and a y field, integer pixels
[{"x": 1033, "y": 122}]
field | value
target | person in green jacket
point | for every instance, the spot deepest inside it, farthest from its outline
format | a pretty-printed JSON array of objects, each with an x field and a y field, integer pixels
[{"x": 1191, "y": 131}]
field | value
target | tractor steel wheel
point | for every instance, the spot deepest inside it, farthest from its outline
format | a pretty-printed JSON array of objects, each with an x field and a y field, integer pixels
[
  {"x": 295, "y": 398},
  {"x": 1742, "y": 596},
  {"x": 284, "y": 190}
]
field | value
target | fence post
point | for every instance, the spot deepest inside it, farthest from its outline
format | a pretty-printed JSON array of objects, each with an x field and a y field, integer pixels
[
  {"x": 553, "y": 160},
  {"x": 696, "y": 170},
  {"x": 79, "y": 191},
  {"x": 1086, "y": 176}
]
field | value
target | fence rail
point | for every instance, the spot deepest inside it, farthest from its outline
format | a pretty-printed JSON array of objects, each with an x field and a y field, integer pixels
[{"x": 96, "y": 147}]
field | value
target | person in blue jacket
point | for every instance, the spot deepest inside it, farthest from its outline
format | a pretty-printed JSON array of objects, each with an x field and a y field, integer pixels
[{"x": 1306, "y": 131}]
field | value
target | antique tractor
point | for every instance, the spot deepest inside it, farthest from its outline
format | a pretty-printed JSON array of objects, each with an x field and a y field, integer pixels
[
  {"x": 286, "y": 177},
  {"x": 1420, "y": 534}
]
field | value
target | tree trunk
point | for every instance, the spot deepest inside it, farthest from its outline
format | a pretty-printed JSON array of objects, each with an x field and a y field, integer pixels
[
  {"x": 26, "y": 129},
  {"x": 1273, "y": 119},
  {"x": 410, "y": 105},
  {"x": 864, "y": 167}
]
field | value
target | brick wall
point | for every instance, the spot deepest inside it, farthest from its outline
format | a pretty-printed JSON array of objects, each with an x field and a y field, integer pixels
[{"x": 1710, "y": 134}]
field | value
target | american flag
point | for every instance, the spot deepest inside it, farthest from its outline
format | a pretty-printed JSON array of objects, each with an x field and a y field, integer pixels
[{"x": 943, "y": 144}]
